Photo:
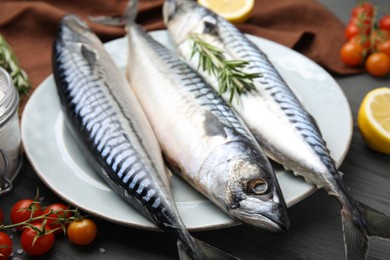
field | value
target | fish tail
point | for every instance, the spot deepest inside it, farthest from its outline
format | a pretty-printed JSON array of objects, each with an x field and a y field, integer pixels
[
  {"x": 359, "y": 224},
  {"x": 127, "y": 18},
  {"x": 206, "y": 252}
]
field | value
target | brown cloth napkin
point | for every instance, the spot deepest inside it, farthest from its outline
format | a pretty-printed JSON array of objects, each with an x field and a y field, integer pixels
[{"x": 305, "y": 25}]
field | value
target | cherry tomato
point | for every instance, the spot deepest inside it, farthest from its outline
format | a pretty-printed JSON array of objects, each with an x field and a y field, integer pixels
[
  {"x": 351, "y": 31},
  {"x": 363, "y": 24},
  {"x": 384, "y": 22},
  {"x": 82, "y": 232},
  {"x": 352, "y": 54},
  {"x": 21, "y": 211},
  {"x": 59, "y": 213},
  {"x": 363, "y": 9},
  {"x": 1, "y": 217},
  {"x": 378, "y": 64},
  {"x": 41, "y": 245},
  {"x": 5, "y": 246},
  {"x": 385, "y": 47},
  {"x": 377, "y": 37},
  {"x": 361, "y": 21},
  {"x": 361, "y": 40}
]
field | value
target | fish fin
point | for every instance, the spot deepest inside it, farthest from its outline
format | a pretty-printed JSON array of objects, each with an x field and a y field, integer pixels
[
  {"x": 314, "y": 122},
  {"x": 367, "y": 222},
  {"x": 207, "y": 251},
  {"x": 210, "y": 252},
  {"x": 213, "y": 126},
  {"x": 89, "y": 55},
  {"x": 128, "y": 16},
  {"x": 183, "y": 251},
  {"x": 355, "y": 238},
  {"x": 378, "y": 223}
]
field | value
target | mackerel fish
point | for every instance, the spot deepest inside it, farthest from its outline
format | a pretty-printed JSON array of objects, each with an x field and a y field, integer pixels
[
  {"x": 202, "y": 139},
  {"x": 106, "y": 118},
  {"x": 284, "y": 129}
]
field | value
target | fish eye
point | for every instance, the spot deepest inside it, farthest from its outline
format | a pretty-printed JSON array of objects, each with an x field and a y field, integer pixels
[{"x": 257, "y": 187}]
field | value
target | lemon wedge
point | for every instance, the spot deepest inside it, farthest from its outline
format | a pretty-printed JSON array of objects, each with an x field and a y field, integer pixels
[
  {"x": 374, "y": 119},
  {"x": 235, "y": 11}
]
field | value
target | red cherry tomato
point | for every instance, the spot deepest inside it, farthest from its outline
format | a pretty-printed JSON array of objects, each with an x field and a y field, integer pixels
[
  {"x": 377, "y": 37},
  {"x": 363, "y": 23},
  {"x": 21, "y": 211},
  {"x": 361, "y": 40},
  {"x": 5, "y": 246},
  {"x": 82, "y": 232},
  {"x": 363, "y": 9},
  {"x": 57, "y": 210},
  {"x": 378, "y": 64},
  {"x": 352, "y": 54},
  {"x": 385, "y": 47},
  {"x": 41, "y": 245},
  {"x": 351, "y": 31},
  {"x": 384, "y": 23}
]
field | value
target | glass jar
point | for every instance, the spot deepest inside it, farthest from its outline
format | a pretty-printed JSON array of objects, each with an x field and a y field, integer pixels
[{"x": 10, "y": 140}]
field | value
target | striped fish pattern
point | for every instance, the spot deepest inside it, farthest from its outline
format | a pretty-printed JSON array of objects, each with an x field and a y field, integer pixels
[
  {"x": 201, "y": 136},
  {"x": 284, "y": 129},
  {"x": 208, "y": 98},
  {"x": 107, "y": 120},
  {"x": 275, "y": 87}
]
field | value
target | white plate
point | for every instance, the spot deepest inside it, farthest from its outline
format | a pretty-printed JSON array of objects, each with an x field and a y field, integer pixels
[{"x": 60, "y": 164}]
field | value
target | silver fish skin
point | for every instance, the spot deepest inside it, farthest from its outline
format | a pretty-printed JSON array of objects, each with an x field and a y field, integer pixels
[
  {"x": 201, "y": 137},
  {"x": 106, "y": 118},
  {"x": 284, "y": 129}
]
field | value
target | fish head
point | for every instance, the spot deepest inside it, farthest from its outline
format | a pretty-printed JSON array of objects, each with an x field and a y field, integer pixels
[
  {"x": 246, "y": 187},
  {"x": 184, "y": 17},
  {"x": 255, "y": 196}
]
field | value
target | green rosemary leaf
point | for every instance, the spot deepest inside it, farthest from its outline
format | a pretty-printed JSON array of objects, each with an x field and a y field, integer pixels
[
  {"x": 10, "y": 63},
  {"x": 229, "y": 73}
]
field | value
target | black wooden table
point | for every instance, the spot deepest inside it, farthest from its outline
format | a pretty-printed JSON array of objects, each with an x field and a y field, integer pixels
[{"x": 315, "y": 231}]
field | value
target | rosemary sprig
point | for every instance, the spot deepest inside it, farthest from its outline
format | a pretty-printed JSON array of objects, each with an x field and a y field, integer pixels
[
  {"x": 10, "y": 63},
  {"x": 229, "y": 73}
]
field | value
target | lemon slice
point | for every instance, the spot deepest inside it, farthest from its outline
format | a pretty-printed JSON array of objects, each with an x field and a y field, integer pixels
[
  {"x": 374, "y": 119},
  {"x": 235, "y": 11}
]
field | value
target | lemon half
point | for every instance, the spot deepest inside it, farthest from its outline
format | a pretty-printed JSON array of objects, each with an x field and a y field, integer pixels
[
  {"x": 235, "y": 11},
  {"x": 374, "y": 119}
]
